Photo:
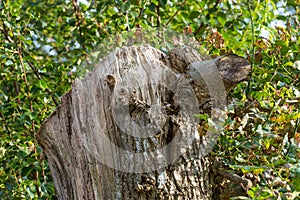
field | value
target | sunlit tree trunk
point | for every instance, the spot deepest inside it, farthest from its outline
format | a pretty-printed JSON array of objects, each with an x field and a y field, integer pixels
[{"x": 127, "y": 130}]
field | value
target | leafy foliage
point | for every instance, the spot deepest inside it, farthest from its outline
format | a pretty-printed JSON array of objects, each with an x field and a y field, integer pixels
[{"x": 44, "y": 43}]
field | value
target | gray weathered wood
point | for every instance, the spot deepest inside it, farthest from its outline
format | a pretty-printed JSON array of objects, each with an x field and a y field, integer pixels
[{"x": 127, "y": 94}]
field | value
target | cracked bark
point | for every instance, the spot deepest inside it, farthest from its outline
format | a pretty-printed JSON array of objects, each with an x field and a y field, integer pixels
[{"x": 98, "y": 107}]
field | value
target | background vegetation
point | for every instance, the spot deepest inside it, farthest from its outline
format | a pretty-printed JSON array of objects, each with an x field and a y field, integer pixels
[{"x": 43, "y": 43}]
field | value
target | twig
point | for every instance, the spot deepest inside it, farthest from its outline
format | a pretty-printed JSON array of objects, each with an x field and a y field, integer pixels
[
  {"x": 171, "y": 19},
  {"x": 4, "y": 31},
  {"x": 25, "y": 78},
  {"x": 252, "y": 30},
  {"x": 31, "y": 109},
  {"x": 78, "y": 17},
  {"x": 198, "y": 30},
  {"x": 141, "y": 12},
  {"x": 40, "y": 78},
  {"x": 202, "y": 24},
  {"x": 247, "y": 90},
  {"x": 158, "y": 15}
]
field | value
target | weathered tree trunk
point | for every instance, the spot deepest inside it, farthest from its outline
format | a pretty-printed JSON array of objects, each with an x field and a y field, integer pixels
[{"x": 127, "y": 130}]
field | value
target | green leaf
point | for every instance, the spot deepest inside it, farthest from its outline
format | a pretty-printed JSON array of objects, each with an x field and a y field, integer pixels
[
  {"x": 42, "y": 84},
  {"x": 222, "y": 18},
  {"x": 202, "y": 116},
  {"x": 8, "y": 62},
  {"x": 163, "y": 2},
  {"x": 194, "y": 14},
  {"x": 251, "y": 193},
  {"x": 288, "y": 64},
  {"x": 152, "y": 7}
]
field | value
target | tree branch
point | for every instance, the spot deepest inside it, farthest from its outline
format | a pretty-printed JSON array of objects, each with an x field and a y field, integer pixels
[
  {"x": 171, "y": 19},
  {"x": 158, "y": 15},
  {"x": 202, "y": 24},
  {"x": 4, "y": 31},
  {"x": 40, "y": 78},
  {"x": 235, "y": 178}
]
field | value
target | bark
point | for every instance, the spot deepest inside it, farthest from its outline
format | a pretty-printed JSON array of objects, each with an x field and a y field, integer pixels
[{"x": 127, "y": 130}]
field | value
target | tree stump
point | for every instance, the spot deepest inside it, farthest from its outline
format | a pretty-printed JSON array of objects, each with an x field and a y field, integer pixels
[{"x": 128, "y": 130}]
